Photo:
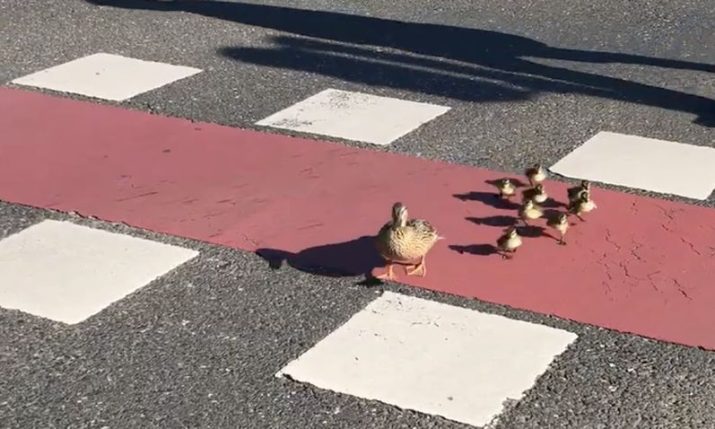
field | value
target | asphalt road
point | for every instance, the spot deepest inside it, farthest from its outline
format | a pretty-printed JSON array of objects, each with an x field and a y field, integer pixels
[
  {"x": 200, "y": 346},
  {"x": 526, "y": 81}
]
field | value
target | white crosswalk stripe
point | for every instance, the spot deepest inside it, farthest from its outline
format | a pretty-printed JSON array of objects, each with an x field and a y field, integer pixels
[
  {"x": 68, "y": 272},
  {"x": 107, "y": 76}
]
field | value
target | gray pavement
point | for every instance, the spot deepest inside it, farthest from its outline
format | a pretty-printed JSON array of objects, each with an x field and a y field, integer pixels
[
  {"x": 200, "y": 346},
  {"x": 525, "y": 82}
]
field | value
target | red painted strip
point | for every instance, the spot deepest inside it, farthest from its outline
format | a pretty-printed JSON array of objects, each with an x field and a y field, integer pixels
[{"x": 638, "y": 265}]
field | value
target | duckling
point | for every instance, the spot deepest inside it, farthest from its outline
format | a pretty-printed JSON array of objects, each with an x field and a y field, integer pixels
[
  {"x": 405, "y": 241},
  {"x": 575, "y": 192},
  {"x": 506, "y": 188},
  {"x": 535, "y": 174},
  {"x": 559, "y": 222},
  {"x": 509, "y": 242},
  {"x": 537, "y": 194},
  {"x": 530, "y": 211},
  {"x": 583, "y": 204}
]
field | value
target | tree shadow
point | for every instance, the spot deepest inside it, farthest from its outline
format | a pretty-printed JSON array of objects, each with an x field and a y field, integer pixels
[{"x": 347, "y": 259}]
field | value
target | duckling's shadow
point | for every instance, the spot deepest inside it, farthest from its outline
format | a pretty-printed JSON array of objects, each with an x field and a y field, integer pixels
[
  {"x": 516, "y": 182},
  {"x": 551, "y": 212},
  {"x": 551, "y": 203},
  {"x": 346, "y": 259},
  {"x": 530, "y": 231},
  {"x": 497, "y": 221},
  {"x": 475, "y": 249},
  {"x": 489, "y": 198}
]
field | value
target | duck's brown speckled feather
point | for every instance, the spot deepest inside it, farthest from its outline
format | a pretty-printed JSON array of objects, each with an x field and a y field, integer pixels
[{"x": 408, "y": 243}]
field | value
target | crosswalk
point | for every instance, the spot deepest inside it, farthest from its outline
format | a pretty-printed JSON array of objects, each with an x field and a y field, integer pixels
[
  {"x": 67, "y": 272},
  {"x": 610, "y": 157},
  {"x": 106, "y": 76},
  {"x": 354, "y": 116},
  {"x": 316, "y": 202},
  {"x": 443, "y": 360}
]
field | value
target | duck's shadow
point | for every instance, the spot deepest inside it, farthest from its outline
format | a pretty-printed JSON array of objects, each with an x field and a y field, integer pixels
[{"x": 352, "y": 258}]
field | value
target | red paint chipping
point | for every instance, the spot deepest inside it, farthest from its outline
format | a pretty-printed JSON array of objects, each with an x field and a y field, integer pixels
[{"x": 638, "y": 265}]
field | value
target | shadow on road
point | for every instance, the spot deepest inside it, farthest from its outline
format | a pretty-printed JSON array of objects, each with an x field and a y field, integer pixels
[
  {"x": 348, "y": 259},
  {"x": 460, "y": 63}
]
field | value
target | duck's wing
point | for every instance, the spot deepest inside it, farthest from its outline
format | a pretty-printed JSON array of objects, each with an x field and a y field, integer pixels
[{"x": 422, "y": 226}]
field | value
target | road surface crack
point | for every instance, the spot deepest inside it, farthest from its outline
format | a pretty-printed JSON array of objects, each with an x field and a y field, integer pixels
[
  {"x": 692, "y": 246},
  {"x": 610, "y": 240},
  {"x": 634, "y": 251},
  {"x": 666, "y": 228},
  {"x": 247, "y": 238},
  {"x": 681, "y": 289}
]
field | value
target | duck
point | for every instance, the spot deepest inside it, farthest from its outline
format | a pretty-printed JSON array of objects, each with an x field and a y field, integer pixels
[
  {"x": 535, "y": 174},
  {"x": 509, "y": 242},
  {"x": 575, "y": 192},
  {"x": 530, "y": 211},
  {"x": 559, "y": 222},
  {"x": 583, "y": 204},
  {"x": 405, "y": 241},
  {"x": 506, "y": 188},
  {"x": 536, "y": 194}
]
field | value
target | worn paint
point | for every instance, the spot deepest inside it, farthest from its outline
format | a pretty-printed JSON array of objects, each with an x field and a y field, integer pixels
[{"x": 354, "y": 116}]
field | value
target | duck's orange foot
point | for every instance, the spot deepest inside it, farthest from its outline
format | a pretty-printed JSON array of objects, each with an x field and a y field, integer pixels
[
  {"x": 419, "y": 269},
  {"x": 387, "y": 275}
]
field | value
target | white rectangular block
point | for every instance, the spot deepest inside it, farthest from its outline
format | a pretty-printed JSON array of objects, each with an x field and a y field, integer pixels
[
  {"x": 107, "y": 76},
  {"x": 354, "y": 116},
  {"x": 67, "y": 272},
  {"x": 431, "y": 357},
  {"x": 643, "y": 163}
]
